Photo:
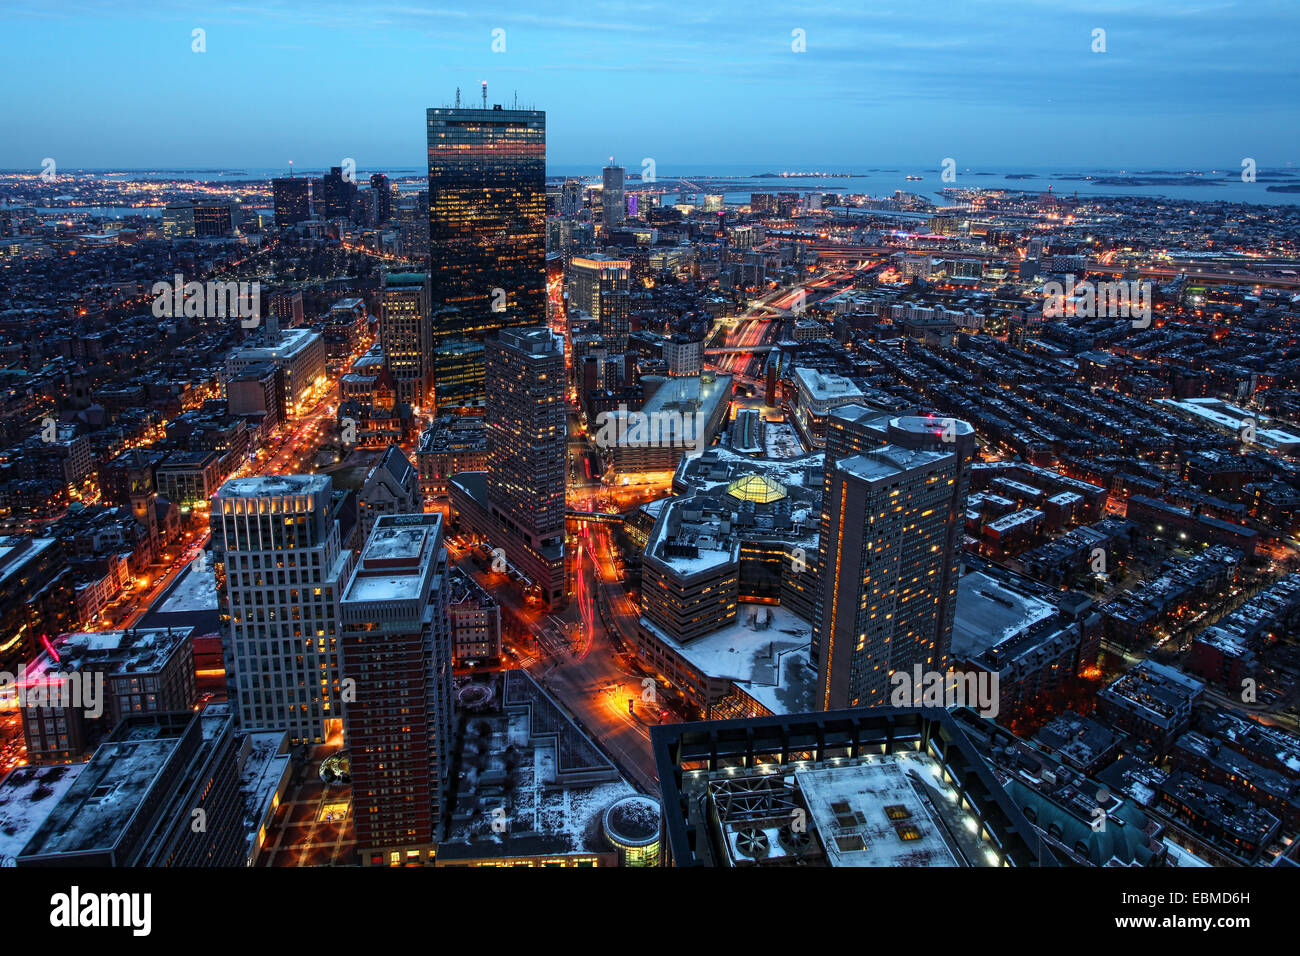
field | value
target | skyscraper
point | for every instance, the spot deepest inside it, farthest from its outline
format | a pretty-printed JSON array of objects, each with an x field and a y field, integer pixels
[
  {"x": 406, "y": 334},
  {"x": 570, "y": 199},
  {"x": 292, "y": 200},
  {"x": 280, "y": 570},
  {"x": 517, "y": 505},
  {"x": 381, "y": 204},
  {"x": 611, "y": 197},
  {"x": 599, "y": 286},
  {"x": 396, "y": 668},
  {"x": 856, "y": 429},
  {"x": 526, "y": 446},
  {"x": 889, "y": 548},
  {"x": 487, "y": 220},
  {"x": 886, "y": 561},
  {"x": 335, "y": 195}
]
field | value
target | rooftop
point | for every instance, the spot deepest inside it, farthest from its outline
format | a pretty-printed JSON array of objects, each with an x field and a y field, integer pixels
[
  {"x": 27, "y": 796},
  {"x": 266, "y": 486}
]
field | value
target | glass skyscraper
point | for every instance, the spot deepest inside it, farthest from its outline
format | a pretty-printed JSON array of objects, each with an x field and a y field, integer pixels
[
  {"x": 292, "y": 200},
  {"x": 487, "y": 221}
]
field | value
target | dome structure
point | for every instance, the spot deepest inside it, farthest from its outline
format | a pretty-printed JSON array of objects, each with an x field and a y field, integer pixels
[{"x": 756, "y": 488}]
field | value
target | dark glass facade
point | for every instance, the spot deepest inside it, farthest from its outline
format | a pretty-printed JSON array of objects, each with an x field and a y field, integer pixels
[
  {"x": 458, "y": 368},
  {"x": 487, "y": 221},
  {"x": 292, "y": 200}
]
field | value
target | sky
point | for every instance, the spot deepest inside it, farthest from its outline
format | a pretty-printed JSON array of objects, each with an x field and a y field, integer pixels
[{"x": 1182, "y": 84}]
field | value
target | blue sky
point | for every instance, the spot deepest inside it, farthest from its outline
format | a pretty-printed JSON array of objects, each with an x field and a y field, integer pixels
[{"x": 1182, "y": 83}]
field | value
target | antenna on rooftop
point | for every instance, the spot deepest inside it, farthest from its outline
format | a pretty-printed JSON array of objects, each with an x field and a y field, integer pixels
[
  {"x": 485, "y": 94},
  {"x": 458, "y": 97},
  {"x": 515, "y": 105}
]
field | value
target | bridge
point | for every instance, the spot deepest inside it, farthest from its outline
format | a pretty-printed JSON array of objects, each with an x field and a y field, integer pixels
[
  {"x": 594, "y": 517},
  {"x": 1194, "y": 274}
]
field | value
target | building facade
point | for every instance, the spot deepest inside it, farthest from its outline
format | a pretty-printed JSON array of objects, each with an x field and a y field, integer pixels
[
  {"x": 280, "y": 568},
  {"x": 396, "y": 661},
  {"x": 487, "y": 220}
]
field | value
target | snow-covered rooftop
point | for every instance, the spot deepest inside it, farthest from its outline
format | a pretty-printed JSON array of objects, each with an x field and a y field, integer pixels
[{"x": 27, "y": 796}]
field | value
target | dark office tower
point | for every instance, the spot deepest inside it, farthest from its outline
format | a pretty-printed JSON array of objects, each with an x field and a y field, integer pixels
[
  {"x": 395, "y": 661},
  {"x": 214, "y": 219},
  {"x": 611, "y": 197},
  {"x": 381, "y": 199},
  {"x": 292, "y": 200},
  {"x": 886, "y": 563},
  {"x": 406, "y": 334},
  {"x": 458, "y": 370},
  {"x": 487, "y": 220},
  {"x": 336, "y": 195},
  {"x": 525, "y": 449},
  {"x": 599, "y": 286}
]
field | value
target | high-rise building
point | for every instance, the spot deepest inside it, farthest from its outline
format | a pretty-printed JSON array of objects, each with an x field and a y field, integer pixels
[
  {"x": 518, "y": 504},
  {"x": 570, "y": 199},
  {"x": 612, "y": 208},
  {"x": 178, "y": 221},
  {"x": 292, "y": 200},
  {"x": 381, "y": 204},
  {"x": 335, "y": 196},
  {"x": 406, "y": 334},
  {"x": 598, "y": 285},
  {"x": 138, "y": 800},
  {"x": 215, "y": 219},
  {"x": 855, "y": 429},
  {"x": 526, "y": 438},
  {"x": 287, "y": 305},
  {"x": 280, "y": 568},
  {"x": 886, "y": 566},
  {"x": 396, "y": 661},
  {"x": 487, "y": 220},
  {"x": 412, "y": 220}
]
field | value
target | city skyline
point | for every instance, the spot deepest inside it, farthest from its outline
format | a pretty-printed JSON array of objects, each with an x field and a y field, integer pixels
[
  {"x": 588, "y": 493},
  {"x": 881, "y": 85}
]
